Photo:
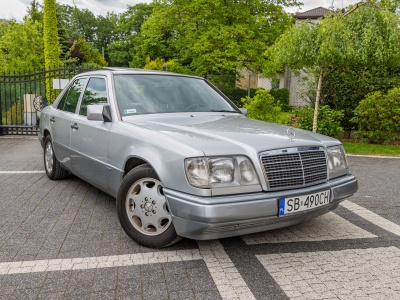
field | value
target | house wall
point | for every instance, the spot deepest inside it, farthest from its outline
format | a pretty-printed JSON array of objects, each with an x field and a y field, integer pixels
[
  {"x": 296, "y": 84},
  {"x": 312, "y": 21},
  {"x": 247, "y": 79}
]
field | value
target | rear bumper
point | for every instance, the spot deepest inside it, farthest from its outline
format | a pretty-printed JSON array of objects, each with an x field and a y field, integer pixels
[
  {"x": 41, "y": 139},
  {"x": 224, "y": 216}
]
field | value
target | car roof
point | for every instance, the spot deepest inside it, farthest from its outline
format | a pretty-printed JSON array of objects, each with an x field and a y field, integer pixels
[{"x": 116, "y": 71}]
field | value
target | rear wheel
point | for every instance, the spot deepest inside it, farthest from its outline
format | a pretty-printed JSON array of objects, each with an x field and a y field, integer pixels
[
  {"x": 143, "y": 211},
  {"x": 52, "y": 166}
]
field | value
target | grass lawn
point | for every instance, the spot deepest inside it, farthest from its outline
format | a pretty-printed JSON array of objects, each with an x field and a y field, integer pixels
[{"x": 371, "y": 149}]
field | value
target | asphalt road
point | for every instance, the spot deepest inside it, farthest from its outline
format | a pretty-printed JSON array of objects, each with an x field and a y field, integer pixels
[{"x": 62, "y": 240}]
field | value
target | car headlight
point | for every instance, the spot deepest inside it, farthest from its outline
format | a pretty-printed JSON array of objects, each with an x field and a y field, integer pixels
[
  {"x": 337, "y": 162},
  {"x": 222, "y": 170},
  {"x": 197, "y": 172},
  {"x": 206, "y": 172}
]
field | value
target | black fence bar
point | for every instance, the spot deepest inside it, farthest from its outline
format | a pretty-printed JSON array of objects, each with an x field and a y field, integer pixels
[{"x": 18, "y": 90}]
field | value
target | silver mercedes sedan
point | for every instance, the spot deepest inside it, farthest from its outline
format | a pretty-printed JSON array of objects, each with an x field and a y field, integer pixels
[{"x": 183, "y": 161}]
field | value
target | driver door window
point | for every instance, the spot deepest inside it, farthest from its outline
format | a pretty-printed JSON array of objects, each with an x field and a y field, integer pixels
[{"x": 95, "y": 93}]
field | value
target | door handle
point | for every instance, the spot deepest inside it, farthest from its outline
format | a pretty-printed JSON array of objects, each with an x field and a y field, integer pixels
[
  {"x": 52, "y": 119},
  {"x": 75, "y": 126}
]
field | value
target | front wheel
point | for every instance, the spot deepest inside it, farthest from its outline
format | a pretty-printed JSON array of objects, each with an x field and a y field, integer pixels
[{"x": 143, "y": 211}]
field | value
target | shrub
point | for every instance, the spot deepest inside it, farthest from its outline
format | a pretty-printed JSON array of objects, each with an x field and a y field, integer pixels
[
  {"x": 344, "y": 88},
  {"x": 282, "y": 96},
  {"x": 14, "y": 115},
  {"x": 328, "y": 119},
  {"x": 170, "y": 65},
  {"x": 378, "y": 117},
  {"x": 265, "y": 108},
  {"x": 81, "y": 53}
]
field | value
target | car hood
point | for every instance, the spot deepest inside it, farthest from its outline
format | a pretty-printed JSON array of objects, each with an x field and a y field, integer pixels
[{"x": 219, "y": 134}]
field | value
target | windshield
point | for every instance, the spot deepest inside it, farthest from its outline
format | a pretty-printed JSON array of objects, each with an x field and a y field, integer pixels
[{"x": 144, "y": 94}]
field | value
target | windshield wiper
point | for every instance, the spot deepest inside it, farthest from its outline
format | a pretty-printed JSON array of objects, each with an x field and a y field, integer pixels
[{"x": 223, "y": 110}]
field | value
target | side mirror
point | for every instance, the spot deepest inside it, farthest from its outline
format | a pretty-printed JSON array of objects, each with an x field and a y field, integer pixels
[
  {"x": 243, "y": 111},
  {"x": 98, "y": 112}
]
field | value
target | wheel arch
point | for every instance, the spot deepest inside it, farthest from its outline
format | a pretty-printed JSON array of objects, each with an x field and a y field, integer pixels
[
  {"x": 46, "y": 133},
  {"x": 135, "y": 161}
]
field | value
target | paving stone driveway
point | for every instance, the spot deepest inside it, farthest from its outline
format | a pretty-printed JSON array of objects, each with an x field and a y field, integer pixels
[{"x": 62, "y": 240}]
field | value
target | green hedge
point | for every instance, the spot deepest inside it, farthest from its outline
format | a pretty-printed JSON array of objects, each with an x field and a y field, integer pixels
[
  {"x": 378, "y": 117},
  {"x": 328, "y": 119},
  {"x": 283, "y": 96},
  {"x": 263, "y": 106}
]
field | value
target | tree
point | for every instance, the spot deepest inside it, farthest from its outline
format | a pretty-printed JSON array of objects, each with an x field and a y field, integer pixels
[
  {"x": 81, "y": 53},
  {"x": 160, "y": 64},
  {"x": 366, "y": 36},
  {"x": 390, "y": 5},
  {"x": 51, "y": 45},
  {"x": 105, "y": 32},
  {"x": 97, "y": 31},
  {"x": 21, "y": 47},
  {"x": 121, "y": 50},
  {"x": 50, "y": 34},
  {"x": 343, "y": 87},
  {"x": 212, "y": 36},
  {"x": 35, "y": 12},
  {"x": 80, "y": 23}
]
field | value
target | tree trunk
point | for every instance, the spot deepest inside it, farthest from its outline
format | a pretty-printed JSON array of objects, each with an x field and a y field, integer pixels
[{"x": 321, "y": 75}]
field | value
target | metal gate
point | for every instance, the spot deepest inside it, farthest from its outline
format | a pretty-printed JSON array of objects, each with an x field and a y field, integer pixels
[{"x": 22, "y": 95}]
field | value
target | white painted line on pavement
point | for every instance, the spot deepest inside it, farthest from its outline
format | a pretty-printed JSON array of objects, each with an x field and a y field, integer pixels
[
  {"x": 372, "y": 217},
  {"x": 34, "y": 266},
  {"x": 19, "y": 137},
  {"x": 227, "y": 278},
  {"x": 22, "y": 172}
]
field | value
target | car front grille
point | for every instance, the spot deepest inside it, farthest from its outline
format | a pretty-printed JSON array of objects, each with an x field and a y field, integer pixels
[{"x": 300, "y": 167}]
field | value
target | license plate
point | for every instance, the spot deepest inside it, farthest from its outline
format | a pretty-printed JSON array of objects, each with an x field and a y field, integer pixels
[{"x": 292, "y": 205}]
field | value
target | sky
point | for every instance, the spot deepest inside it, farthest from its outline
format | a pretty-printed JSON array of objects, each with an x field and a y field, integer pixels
[{"x": 17, "y": 8}]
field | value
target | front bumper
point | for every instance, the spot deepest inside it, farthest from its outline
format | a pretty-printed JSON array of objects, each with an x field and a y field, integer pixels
[{"x": 205, "y": 218}]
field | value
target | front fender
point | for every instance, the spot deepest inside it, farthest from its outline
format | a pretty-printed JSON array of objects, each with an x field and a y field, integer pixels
[{"x": 165, "y": 154}]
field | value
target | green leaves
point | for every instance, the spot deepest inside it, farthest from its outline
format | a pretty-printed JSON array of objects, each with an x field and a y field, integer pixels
[
  {"x": 367, "y": 36},
  {"x": 50, "y": 35},
  {"x": 378, "y": 116},
  {"x": 263, "y": 106},
  {"x": 343, "y": 88},
  {"x": 373, "y": 38},
  {"x": 212, "y": 36},
  {"x": 21, "y": 47},
  {"x": 329, "y": 119},
  {"x": 298, "y": 47},
  {"x": 51, "y": 45},
  {"x": 81, "y": 53}
]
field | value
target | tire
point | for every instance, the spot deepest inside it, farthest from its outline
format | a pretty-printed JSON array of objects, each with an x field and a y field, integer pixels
[
  {"x": 143, "y": 211},
  {"x": 52, "y": 166}
]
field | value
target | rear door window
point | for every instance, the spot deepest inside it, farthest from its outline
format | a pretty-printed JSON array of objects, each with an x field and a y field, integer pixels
[{"x": 70, "y": 99}]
